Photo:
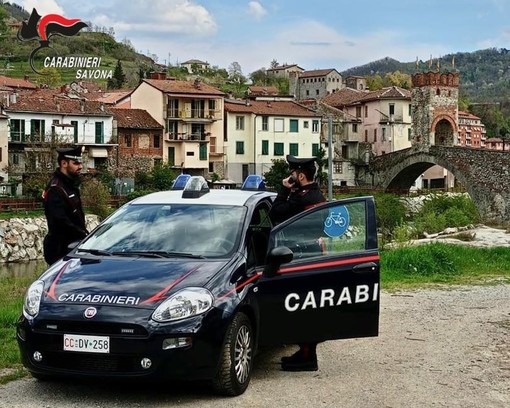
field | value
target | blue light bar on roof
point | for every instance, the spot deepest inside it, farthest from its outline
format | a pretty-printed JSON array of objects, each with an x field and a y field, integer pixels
[
  {"x": 254, "y": 183},
  {"x": 195, "y": 187},
  {"x": 180, "y": 181}
]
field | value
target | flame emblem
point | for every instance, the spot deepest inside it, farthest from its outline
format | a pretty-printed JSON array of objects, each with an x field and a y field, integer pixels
[{"x": 42, "y": 28}]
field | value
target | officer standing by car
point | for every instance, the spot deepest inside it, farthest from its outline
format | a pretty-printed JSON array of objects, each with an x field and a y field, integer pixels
[
  {"x": 62, "y": 205},
  {"x": 298, "y": 193}
]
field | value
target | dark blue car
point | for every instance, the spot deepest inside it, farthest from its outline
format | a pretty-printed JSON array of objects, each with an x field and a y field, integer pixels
[{"x": 189, "y": 284}]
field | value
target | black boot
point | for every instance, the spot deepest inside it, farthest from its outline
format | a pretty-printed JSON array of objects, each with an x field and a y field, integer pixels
[{"x": 305, "y": 359}]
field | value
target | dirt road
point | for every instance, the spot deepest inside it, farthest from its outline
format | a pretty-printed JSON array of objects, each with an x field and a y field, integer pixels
[{"x": 437, "y": 348}]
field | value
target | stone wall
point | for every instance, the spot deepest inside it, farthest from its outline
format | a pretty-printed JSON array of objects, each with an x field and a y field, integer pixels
[{"x": 21, "y": 239}]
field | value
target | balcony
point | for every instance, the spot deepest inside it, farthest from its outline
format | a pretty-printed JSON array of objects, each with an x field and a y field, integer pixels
[
  {"x": 194, "y": 114},
  {"x": 188, "y": 137}
]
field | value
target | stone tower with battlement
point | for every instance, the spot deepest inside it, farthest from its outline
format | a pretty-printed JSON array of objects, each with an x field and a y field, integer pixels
[{"x": 434, "y": 104}]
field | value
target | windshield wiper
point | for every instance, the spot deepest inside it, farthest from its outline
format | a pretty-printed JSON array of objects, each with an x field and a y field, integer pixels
[
  {"x": 94, "y": 251},
  {"x": 158, "y": 254}
]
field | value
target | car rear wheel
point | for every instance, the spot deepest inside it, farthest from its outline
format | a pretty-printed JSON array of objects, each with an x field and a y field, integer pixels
[{"x": 234, "y": 371}]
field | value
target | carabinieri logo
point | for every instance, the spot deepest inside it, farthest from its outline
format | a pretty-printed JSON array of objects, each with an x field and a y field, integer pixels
[{"x": 42, "y": 28}]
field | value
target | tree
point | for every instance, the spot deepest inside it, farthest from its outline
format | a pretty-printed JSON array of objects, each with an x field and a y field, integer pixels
[
  {"x": 235, "y": 73},
  {"x": 118, "y": 79},
  {"x": 278, "y": 171},
  {"x": 322, "y": 163},
  {"x": 259, "y": 77},
  {"x": 274, "y": 63}
]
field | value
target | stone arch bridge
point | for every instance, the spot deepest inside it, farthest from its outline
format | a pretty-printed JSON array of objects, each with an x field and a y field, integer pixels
[{"x": 484, "y": 174}]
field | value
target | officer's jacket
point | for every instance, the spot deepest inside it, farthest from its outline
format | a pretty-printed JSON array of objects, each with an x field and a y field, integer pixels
[
  {"x": 63, "y": 209},
  {"x": 289, "y": 203}
]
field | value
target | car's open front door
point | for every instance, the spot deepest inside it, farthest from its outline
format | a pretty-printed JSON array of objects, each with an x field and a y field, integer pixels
[{"x": 330, "y": 290}]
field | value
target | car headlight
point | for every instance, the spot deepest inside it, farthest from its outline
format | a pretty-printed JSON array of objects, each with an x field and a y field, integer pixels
[
  {"x": 33, "y": 298},
  {"x": 185, "y": 303}
]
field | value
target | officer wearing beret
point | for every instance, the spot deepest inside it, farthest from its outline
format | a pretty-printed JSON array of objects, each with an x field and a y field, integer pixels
[
  {"x": 62, "y": 205},
  {"x": 298, "y": 193}
]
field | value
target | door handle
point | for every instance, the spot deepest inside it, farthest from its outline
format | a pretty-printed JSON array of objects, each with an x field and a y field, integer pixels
[{"x": 365, "y": 267}]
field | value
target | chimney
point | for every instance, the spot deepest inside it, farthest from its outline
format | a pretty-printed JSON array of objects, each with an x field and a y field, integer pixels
[
  {"x": 101, "y": 106},
  {"x": 57, "y": 102},
  {"x": 82, "y": 105},
  {"x": 197, "y": 84},
  {"x": 158, "y": 75}
]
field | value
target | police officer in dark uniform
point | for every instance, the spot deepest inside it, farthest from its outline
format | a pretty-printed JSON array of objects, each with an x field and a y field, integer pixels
[
  {"x": 298, "y": 193},
  {"x": 62, "y": 205}
]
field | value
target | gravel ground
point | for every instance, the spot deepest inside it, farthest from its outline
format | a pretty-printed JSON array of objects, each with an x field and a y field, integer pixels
[{"x": 443, "y": 347}]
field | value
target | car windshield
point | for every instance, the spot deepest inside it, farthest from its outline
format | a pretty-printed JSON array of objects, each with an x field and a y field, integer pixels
[{"x": 168, "y": 230}]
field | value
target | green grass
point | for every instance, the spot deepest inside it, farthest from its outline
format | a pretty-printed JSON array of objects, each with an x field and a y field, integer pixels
[
  {"x": 443, "y": 264},
  {"x": 12, "y": 291}
]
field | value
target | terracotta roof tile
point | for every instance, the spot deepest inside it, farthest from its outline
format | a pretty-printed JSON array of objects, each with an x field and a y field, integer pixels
[
  {"x": 134, "y": 119},
  {"x": 316, "y": 73},
  {"x": 183, "y": 87},
  {"x": 263, "y": 90},
  {"x": 392, "y": 92},
  {"x": 108, "y": 97},
  {"x": 16, "y": 83},
  {"x": 281, "y": 108},
  {"x": 51, "y": 101},
  {"x": 343, "y": 97}
]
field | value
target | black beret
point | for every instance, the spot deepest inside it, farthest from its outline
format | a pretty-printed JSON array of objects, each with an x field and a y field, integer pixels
[
  {"x": 297, "y": 164},
  {"x": 72, "y": 153}
]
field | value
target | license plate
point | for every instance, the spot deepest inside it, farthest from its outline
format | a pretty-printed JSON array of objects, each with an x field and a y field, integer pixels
[{"x": 87, "y": 344}]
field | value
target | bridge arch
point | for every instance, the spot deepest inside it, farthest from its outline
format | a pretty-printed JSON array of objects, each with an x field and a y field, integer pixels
[{"x": 484, "y": 174}]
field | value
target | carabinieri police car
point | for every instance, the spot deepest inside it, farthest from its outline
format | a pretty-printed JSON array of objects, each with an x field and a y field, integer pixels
[{"x": 188, "y": 284}]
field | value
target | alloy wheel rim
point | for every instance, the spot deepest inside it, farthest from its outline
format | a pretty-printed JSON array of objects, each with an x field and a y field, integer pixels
[{"x": 243, "y": 354}]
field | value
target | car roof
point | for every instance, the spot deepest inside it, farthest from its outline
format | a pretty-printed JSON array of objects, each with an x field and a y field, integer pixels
[{"x": 213, "y": 197}]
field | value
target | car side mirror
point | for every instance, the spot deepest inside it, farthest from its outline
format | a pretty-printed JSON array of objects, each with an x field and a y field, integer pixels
[
  {"x": 276, "y": 258},
  {"x": 73, "y": 245}
]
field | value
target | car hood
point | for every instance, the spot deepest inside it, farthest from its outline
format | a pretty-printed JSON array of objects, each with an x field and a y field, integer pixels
[{"x": 135, "y": 282}]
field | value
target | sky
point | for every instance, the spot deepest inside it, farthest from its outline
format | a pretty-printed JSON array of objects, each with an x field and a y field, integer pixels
[{"x": 318, "y": 34}]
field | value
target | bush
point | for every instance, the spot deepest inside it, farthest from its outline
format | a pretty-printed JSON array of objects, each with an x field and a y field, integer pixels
[
  {"x": 390, "y": 213},
  {"x": 444, "y": 210},
  {"x": 95, "y": 197}
]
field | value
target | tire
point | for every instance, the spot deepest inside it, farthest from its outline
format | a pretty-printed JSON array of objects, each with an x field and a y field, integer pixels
[{"x": 236, "y": 360}]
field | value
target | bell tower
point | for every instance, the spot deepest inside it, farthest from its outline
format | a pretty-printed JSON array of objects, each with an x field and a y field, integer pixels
[{"x": 434, "y": 105}]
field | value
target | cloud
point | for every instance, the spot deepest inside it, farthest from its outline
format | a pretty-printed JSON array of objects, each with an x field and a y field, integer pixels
[
  {"x": 43, "y": 7},
  {"x": 256, "y": 9}
]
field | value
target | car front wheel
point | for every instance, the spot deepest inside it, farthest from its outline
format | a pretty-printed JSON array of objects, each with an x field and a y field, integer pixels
[{"x": 234, "y": 371}]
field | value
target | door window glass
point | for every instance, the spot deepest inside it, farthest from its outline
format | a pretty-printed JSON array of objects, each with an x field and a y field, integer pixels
[{"x": 329, "y": 231}]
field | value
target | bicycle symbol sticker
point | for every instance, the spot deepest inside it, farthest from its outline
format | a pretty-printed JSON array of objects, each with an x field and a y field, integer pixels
[{"x": 337, "y": 222}]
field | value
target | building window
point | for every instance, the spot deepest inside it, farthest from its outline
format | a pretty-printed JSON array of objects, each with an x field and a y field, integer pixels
[
  {"x": 278, "y": 149},
  {"x": 317, "y": 92},
  {"x": 17, "y": 130},
  {"x": 410, "y": 110},
  {"x": 127, "y": 140},
  {"x": 212, "y": 144},
  {"x": 315, "y": 126},
  {"x": 15, "y": 158},
  {"x": 293, "y": 126},
  {"x": 157, "y": 142},
  {"x": 345, "y": 152},
  {"x": 375, "y": 135},
  {"x": 307, "y": 92},
  {"x": 409, "y": 134},
  {"x": 239, "y": 147},
  {"x": 338, "y": 167},
  {"x": 265, "y": 123},
  {"x": 74, "y": 123},
  {"x": 392, "y": 108},
  {"x": 190, "y": 153},
  {"x": 315, "y": 149},
  {"x": 294, "y": 149},
  {"x": 383, "y": 135},
  {"x": 99, "y": 132},
  {"x": 354, "y": 128},
  {"x": 265, "y": 147},
  {"x": 358, "y": 111},
  {"x": 239, "y": 122},
  {"x": 366, "y": 111},
  {"x": 37, "y": 129},
  {"x": 305, "y": 124},
  {"x": 278, "y": 125},
  {"x": 366, "y": 135},
  {"x": 202, "y": 151}
]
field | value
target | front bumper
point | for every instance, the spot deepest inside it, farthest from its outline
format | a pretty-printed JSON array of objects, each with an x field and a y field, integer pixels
[{"x": 129, "y": 345}]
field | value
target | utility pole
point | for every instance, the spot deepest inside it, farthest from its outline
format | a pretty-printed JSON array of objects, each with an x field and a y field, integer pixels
[{"x": 330, "y": 158}]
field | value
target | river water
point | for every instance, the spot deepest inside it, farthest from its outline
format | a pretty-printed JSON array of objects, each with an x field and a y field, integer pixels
[{"x": 22, "y": 269}]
